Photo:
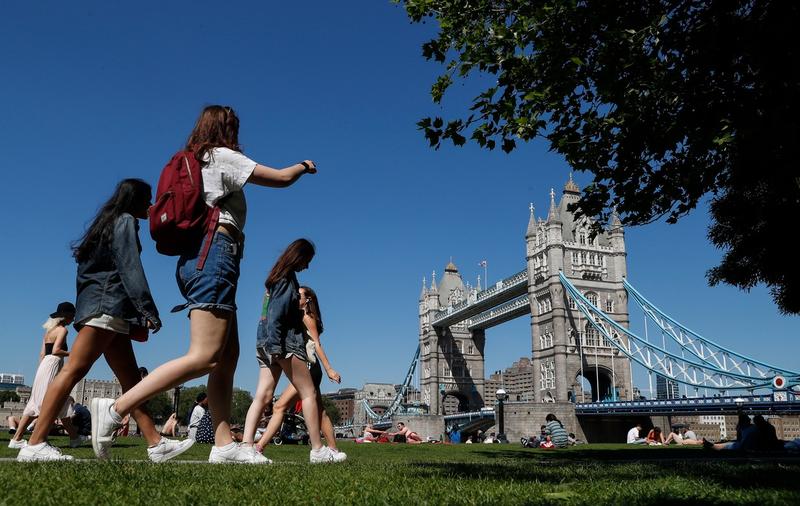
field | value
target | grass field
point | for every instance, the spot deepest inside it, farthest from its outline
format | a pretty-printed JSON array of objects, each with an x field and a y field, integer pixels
[{"x": 409, "y": 475}]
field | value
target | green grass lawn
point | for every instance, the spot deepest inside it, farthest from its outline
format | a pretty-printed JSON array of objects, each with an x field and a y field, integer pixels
[{"x": 410, "y": 475}]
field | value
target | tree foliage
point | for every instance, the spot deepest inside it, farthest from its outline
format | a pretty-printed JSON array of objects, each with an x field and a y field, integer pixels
[
  {"x": 8, "y": 396},
  {"x": 333, "y": 411},
  {"x": 664, "y": 102}
]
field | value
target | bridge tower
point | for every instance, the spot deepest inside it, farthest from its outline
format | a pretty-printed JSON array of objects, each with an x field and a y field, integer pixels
[
  {"x": 565, "y": 346},
  {"x": 451, "y": 358}
]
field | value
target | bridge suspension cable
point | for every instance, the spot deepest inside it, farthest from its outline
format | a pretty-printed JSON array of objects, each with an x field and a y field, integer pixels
[
  {"x": 397, "y": 402},
  {"x": 706, "y": 350},
  {"x": 659, "y": 360}
]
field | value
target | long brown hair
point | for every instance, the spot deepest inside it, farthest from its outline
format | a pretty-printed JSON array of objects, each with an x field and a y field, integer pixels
[
  {"x": 312, "y": 307},
  {"x": 217, "y": 127},
  {"x": 129, "y": 195},
  {"x": 297, "y": 255}
]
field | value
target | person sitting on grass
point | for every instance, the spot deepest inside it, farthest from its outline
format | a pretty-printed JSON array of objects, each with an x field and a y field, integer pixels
[
  {"x": 404, "y": 435},
  {"x": 655, "y": 437},
  {"x": 634, "y": 437},
  {"x": 535, "y": 441},
  {"x": 679, "y": 437},
  {"x": 745, "y": 437},
  {"x": 547, "y": 444},
  {"x": 556, "y": 431},
  {"x": 370, "y": 435}
]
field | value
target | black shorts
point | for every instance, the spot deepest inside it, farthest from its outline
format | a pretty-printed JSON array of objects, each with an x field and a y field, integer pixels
[{"x": 316, "y": 374}]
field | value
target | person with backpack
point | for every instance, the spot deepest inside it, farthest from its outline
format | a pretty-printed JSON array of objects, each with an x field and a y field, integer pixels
[
  {"x": 211, "y": 172},
  {"x": 113, "y": 306}
]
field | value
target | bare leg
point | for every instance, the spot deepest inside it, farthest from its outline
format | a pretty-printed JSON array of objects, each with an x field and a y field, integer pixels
[
  {"x": 267, "y": 379},
  {"x": 26, "y": 419},
  {"x": 288, "y": 398},
  {"x": 89, "y": 345},
  {"x": 209, "y": 330},
  {"x": 121, "y": 359},
  {"x": 220, "y": 387},
  {"x": 297, "y": 372},
  {"x": 325, "y": 424}
]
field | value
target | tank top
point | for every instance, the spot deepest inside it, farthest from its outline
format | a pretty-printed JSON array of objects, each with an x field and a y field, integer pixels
[{"x": 48, "y": 347}]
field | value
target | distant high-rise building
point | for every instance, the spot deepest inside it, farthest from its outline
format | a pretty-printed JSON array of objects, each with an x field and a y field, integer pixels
[
  {"x": 666, "y": 388},
  {"x": 11, "y": 379},
  {"x": 516, "y": 380}
]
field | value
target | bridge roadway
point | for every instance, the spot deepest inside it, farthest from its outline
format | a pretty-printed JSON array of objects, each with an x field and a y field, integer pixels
[
  {"x": 487, "y": 301},
  {"x": 751, "y": 404}
]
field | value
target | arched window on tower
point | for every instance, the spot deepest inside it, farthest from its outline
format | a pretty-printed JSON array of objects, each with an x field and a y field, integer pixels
[
  {"x": 582, "y": 237},
  {"x": 609, "y": 304},
  {"x": 592, "y": 298},
  {"x": 459, "y": 347}
]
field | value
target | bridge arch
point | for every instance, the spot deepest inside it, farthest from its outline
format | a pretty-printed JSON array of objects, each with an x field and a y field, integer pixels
[
  {"x": 454, "y": 402},
  {"x": 599, "y": 380}
]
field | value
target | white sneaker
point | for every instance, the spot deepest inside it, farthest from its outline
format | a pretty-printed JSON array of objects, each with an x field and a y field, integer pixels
[
  {"x": 338, "y": 456},
  {"x": 324, "y": 455},
  {"x": 103, "y": 427},
  {"x": 235, "y": 453},
  {"x": 168, "y": 448},
  {"x": 74, "y": 443},
  {"x": 42, "y": 452},
  {"x": 17, "y": 445}
]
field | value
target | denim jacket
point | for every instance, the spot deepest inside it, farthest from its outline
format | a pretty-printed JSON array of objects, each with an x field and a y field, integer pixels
[
  {"x": 283, "y": 331},
  {"x": 112, "y": 281}
]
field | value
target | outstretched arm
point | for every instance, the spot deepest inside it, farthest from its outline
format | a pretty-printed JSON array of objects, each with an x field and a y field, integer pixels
[{"x": 281, "y": 178}]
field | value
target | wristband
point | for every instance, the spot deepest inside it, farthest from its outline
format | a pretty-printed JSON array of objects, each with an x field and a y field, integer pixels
[{"x": 306, "y": 166}]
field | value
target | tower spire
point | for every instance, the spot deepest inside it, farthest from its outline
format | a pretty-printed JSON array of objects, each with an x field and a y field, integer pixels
[
  {"x": 552, "y": 213},
  {"x": 531, "y": 222},
  {"x": 424, "y": 289},
  {"x": 433, "y": 283}
]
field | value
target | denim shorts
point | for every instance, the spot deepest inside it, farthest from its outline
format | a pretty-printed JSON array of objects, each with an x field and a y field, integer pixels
[{"x": 214, "y": 287}]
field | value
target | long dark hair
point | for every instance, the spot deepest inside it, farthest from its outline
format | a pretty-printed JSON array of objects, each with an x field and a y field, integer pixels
[
  {"x": 312, "y": 308},
  {"x": 297, "y": 255},
  {"x": 551, "y": 417},
  {"x": 130, "y": 195},
  {"x": 217, "y": 127}
]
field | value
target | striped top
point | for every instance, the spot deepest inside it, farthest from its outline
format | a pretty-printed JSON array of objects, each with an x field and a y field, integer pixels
[{"x": 558, "y": 434}]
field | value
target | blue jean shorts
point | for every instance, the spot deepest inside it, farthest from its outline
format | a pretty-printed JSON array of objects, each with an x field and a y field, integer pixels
[{"x": 214, "y": 287}]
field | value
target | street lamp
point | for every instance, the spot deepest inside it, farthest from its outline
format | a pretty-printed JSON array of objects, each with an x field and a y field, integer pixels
[
  {"x": 739, "y": 402},
  {"x": 501, "y": 397}
]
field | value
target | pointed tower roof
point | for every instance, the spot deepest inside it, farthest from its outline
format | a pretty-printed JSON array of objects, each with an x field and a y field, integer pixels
[
  {"x": 571, "y": 187},
  {"x": 531, "y": 222},
  {"x": 433, "y": 283},
  {"x": 424, "y": 289},
  {"x": 451, "y": 267},
  {"x": 479, "y": 283},
  {"x": 552, "y": 214}
]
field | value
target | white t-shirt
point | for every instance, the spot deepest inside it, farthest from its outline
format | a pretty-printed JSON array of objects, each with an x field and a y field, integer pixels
[
  {"x": 197, "y": 415},
  {"x": 633, "y": 435},
  {"x": 690, "y": 435},
  {"x": 224, "y": 176}
]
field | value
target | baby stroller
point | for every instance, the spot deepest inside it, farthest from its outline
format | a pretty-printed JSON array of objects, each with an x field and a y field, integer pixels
[{"x": 293, "y": 429}]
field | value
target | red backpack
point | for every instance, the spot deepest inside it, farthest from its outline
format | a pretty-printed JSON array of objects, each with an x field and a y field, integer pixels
[{"x": 180, "y": 217}]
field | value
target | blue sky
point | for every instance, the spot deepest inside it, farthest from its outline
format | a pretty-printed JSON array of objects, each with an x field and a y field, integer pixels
[{"x": 93, "y": 93}]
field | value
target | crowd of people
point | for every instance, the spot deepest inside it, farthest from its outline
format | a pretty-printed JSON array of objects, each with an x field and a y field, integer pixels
[
  {"x": 114, "y": 306},
  {"x": 755, "y": 434}
]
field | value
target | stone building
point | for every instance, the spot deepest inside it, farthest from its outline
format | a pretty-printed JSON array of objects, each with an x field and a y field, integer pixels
[
  {"x": 516, "y": 380},
  {"x": 87, "y": 389}
]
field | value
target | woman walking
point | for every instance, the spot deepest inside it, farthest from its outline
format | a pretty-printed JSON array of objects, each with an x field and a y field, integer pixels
[
  {"x": 51, "y": 360},
  {"x": 312, "y": 320},
  {"x": 210, "y": 292},
  {"x": 281, "y": 347},
  {"x": 113, "y": 301}
]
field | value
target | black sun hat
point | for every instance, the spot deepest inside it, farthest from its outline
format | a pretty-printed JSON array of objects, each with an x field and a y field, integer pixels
[{"x": 64, "y": 309}]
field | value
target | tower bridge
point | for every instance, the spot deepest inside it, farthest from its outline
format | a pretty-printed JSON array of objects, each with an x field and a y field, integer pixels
[{"x": 575, "y": 292}]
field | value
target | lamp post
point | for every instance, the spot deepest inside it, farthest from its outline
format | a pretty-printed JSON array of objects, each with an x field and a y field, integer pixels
[
  {"x": 501, "y": 397},
  {"x": 739, "y": 403}
]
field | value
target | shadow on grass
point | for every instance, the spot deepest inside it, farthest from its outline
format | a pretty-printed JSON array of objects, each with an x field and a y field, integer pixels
[{"x": 726, "y": 475}]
